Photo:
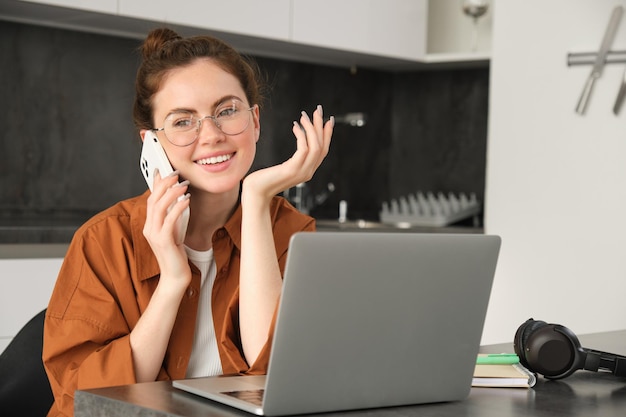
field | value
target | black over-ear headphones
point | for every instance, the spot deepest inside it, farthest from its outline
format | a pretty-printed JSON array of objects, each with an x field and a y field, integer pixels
[{"x": 554, "y": 351}]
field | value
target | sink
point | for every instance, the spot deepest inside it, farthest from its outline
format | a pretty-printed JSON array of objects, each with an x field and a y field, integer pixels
[
  {"x": 333, "y": 225},
  {"x": 323, "y": 224}
]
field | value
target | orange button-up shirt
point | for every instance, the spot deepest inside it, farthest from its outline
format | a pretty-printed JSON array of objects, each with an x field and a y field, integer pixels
[{"x": 105, "y": 283}]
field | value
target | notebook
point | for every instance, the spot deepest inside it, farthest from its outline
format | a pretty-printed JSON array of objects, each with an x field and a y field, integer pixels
[{"x": 368, "y": 320}]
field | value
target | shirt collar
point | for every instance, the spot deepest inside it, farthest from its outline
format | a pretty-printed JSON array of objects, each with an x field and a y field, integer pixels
[{"x": 147, "y": 265}]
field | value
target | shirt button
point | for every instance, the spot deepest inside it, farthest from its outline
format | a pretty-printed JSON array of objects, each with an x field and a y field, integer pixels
[
  {"x": 221, "y": 233},
  {"x": 191, "y": 292}
]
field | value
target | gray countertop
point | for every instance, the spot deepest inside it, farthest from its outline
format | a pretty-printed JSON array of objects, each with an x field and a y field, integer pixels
[
  {"x": 32, "y": 250},
  {"x": 43, "y": 240}
]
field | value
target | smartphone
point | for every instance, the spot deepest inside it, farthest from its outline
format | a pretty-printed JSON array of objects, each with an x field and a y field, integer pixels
[{"x": 152, "y": 157}]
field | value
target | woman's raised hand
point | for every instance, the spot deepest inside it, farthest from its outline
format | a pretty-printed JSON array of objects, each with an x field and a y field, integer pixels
[{"x": 313, "y": 142}]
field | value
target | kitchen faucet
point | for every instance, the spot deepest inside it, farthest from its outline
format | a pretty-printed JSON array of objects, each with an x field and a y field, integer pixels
[{"x": 302, "y": 199}]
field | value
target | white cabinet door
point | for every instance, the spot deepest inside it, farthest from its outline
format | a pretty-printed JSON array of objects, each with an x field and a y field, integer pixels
[
  {"x": 268, "y": 19},
  {"x": 376, "y": 33},
  {"x": 102, "y": 6},
  {"x": 391, "y": 28}
]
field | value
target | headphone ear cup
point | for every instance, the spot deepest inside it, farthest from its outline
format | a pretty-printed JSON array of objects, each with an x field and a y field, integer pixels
[
  {"x": 522, "y": 334},
  {"x": 552, "y": 351}
]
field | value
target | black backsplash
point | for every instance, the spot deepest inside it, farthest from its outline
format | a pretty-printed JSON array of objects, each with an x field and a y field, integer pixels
[{"x": 68, "y": 148}]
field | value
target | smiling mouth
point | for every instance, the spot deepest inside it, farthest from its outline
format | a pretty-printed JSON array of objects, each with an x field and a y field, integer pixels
[{"x": 214, "y": 159}]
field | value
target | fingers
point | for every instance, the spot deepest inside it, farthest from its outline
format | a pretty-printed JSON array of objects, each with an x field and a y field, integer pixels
[
  {"x": 313, "y": 128},
  {"x": 168, "y": 189},
  {"x": 317, "y": 133},
  {"x": 165, "y": 205}
]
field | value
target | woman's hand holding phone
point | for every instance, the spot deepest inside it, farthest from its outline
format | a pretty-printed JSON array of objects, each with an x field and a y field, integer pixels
[
  {"x": 153, "y": 159},
  {"x": 167, "y": 210},
  {"x": 166, "y": 205}
]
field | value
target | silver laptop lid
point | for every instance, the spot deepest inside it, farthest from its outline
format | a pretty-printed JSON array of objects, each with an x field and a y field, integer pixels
[{"x": 371, "y": 319}]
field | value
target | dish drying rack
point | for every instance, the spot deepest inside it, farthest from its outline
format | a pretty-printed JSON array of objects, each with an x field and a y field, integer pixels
[{"x": 429, "y": 210}]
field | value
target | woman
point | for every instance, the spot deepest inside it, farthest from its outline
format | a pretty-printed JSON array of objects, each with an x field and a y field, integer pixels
[{"x": 130, "y": 304}]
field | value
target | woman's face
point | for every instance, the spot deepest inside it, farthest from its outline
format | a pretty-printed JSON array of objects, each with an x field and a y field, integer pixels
[{"x": 215, "y": 162}]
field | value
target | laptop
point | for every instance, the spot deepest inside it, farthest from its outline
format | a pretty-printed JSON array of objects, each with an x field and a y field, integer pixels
[{"x": 368, "y": 320}]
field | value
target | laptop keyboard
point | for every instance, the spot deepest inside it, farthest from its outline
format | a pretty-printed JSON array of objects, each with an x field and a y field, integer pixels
[{"x": 253, "y": 396}]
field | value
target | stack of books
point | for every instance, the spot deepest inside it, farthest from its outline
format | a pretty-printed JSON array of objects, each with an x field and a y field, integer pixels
[{"x": 503, "y": 371}]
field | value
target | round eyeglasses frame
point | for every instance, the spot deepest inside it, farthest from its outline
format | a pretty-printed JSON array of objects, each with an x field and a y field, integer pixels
[{"x": 197, "y": 122}]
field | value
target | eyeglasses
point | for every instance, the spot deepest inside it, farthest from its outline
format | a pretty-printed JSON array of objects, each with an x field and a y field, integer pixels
[{"x": 183, "y": 128}]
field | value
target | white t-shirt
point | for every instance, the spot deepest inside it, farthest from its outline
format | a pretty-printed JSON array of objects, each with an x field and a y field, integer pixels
[{"x": 205, "y": 358}]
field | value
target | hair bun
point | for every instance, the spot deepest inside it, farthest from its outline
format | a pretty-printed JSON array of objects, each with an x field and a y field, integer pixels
[{"x": 155, "y": 41}]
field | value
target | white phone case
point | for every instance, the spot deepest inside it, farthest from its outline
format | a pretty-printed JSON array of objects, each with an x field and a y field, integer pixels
[{"x": 152, "y": 157}]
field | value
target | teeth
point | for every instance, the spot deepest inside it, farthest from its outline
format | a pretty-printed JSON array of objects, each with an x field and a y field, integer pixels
[{"x": 214, "y": 160}]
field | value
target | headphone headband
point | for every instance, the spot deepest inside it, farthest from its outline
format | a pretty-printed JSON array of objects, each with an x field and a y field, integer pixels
[
  {"x": 554, "y": 351},
  {"x": 597, "y": 360}
]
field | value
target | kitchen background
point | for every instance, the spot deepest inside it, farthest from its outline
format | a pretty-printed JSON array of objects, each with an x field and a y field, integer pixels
[
  {"x": 69, "y": 148},
  {"x": 555, "y": 181}
]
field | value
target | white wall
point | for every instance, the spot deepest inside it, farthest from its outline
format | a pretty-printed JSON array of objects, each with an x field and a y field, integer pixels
[
  {"x": 556, "y": 181},
  {"x": 450, "y": 30},
  {"x": 25, "y": 288}
]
